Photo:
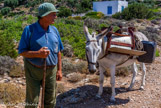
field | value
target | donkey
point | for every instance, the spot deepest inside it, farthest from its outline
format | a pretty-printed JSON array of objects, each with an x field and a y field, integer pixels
[{"x": 95, "y": 52}]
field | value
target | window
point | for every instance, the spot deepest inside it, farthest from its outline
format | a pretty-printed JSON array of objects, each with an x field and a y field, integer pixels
[{"x": 109, "y": 10}]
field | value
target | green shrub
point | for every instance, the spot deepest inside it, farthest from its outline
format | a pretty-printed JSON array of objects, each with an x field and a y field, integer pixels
[
  {"x": 150, "y": 3},
  {"x": 96, "y": 15},
  {"x": 64, "y": 12},
  {"x": 5, "y": 10},
  {"x": 157, "y": 53},
  {"x": 100, "y": 14},
  {"x": 21, "y": 1},
  {"x": 77, "y": 18},
  {"x": 117, "y": 15},
  {"x": 102, "y": 25},
  {"x": 10, "y": 33},
  {"x": 11, "y": 3},
  {"x": 135, "y": 10},
  {"x": 72, "y": 30},
  {"x": 7, "y": 47},
  {"x": 33, "y": 3}
]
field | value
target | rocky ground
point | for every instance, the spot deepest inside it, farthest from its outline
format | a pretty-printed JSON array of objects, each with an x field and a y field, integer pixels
[{"x": 81, "y": 93}]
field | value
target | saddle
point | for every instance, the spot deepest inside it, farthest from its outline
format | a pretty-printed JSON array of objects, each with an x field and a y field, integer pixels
[{"x": 119, "y": 42}]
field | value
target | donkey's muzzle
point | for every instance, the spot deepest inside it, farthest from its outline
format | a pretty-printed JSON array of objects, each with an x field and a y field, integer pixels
[{"x": 92, "y": 71}]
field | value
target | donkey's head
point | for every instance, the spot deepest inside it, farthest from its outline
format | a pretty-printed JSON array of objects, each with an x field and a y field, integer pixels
[{"x": 93, "y": 47}]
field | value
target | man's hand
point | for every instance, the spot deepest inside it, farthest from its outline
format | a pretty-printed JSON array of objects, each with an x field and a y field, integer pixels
[
  {"x": 43, "y": 52},
  {"x": 59, "y": 75}
]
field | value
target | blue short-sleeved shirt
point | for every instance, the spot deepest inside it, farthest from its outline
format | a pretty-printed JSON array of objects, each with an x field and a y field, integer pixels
[{"x": 34, "y": 37}]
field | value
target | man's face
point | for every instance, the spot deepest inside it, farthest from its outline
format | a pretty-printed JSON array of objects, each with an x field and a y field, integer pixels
[{"x": 50, "y": 18}]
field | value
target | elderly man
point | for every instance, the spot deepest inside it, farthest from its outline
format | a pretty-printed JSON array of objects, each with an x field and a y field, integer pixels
[{"x": 41, "y": 41}]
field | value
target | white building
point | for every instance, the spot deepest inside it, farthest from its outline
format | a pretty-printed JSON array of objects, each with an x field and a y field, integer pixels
[{"x": 110, "y": 7}]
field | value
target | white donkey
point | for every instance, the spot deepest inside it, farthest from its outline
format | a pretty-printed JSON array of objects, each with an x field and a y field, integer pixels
[{"x": 95, "y": 51}]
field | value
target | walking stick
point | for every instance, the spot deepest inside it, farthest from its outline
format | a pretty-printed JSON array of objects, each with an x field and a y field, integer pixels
[{"x": 43, "y": 85}]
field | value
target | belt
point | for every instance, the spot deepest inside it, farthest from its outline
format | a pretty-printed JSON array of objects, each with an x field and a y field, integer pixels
[{"x": 50, "y": 66}]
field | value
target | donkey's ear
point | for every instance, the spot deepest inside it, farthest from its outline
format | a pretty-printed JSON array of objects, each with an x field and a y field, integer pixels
[
  {"x": 102, "y": 34},
  {"x": 86, "y": 32}
]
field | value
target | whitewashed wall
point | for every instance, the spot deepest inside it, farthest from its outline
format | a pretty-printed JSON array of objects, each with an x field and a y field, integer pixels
[
  {"x": 102, "y": 6},
  {"x": 122, "y": 3}
]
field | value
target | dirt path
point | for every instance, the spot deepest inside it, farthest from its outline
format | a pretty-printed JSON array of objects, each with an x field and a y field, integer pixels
[{"x": 148, "y": 98}]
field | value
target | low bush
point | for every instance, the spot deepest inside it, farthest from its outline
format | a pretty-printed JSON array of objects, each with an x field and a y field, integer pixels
[
  {"x": 11, "y": 3},
  {"x": 74, "y": 77},
  {"x": 96, "y": 15},
  {"x": 77, "y": 18},
  {"x": 68, "y": 66},
  {"x": 7, "y": 47},
  {"x": 6, "y": 64},
  {"x": 135, "y": 10},
  {"x": 68, "y": 50},
  {"x": 33, "y": 3},
  {"x": 122, "y": 71},
  {"x": 73, "y": 32},
  {"x": 11, "y": 94},
  {"x": 64, "y": 12},
  {"x": 117, "y": 15},
  {"x": 95, "y": 23},
  {"x": 5, "y": 10}
]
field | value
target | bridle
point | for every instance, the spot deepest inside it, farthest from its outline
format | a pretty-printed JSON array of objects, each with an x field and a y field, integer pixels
[{"x": 89, "y": 62}]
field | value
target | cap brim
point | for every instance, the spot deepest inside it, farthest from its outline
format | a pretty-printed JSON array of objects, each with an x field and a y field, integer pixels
[{"x": 49, "y": 13}]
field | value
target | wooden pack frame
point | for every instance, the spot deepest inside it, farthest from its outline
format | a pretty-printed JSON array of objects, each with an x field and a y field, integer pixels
[{"x": 130, "y": 52}]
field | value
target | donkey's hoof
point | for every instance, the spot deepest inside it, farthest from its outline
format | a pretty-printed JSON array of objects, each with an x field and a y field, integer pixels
[
  {"x": 97, "y": 97},
  {"x": 112, "y": 100},
  {"x": 129, "y": 89},
  {"x": 141, "y": 88}
]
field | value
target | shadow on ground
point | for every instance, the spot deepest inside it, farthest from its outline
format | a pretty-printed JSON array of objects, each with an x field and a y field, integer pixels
[{"x": 84, "y": 97}]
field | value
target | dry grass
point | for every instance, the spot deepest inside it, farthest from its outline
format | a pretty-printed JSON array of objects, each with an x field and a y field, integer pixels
[
  {"x": 82, "y": 67},
  {"x": 123, "y": 71},
  {"x": 60, "y": 88},
  {"x": 17, "y": 71},
  {"x": 11, "y": 94},
  {"x": 69, "y": 66},
  {"x": 75, "y": 77},
  {"x": 94, "y": 79}
]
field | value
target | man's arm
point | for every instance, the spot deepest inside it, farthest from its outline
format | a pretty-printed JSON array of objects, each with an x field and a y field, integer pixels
[
  {"x": 42, "y": 53},
  {"x": 59, "y": 71}
]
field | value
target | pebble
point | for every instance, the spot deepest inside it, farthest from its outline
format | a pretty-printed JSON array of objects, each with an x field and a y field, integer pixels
[
  {"x": 2, "y": 106},
  {"x": 124, "y": 83},
  {"x": 76, "y": 60},
  {"x": 4, "y": 81}
]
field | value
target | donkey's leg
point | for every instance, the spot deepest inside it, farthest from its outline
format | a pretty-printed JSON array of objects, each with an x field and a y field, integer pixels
[
  {"x": 143, "y": 76},
  {"x": 112, "y": 71},
  {"x": 101, "y": 80},
  {"x": 134, "y": 69}
]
